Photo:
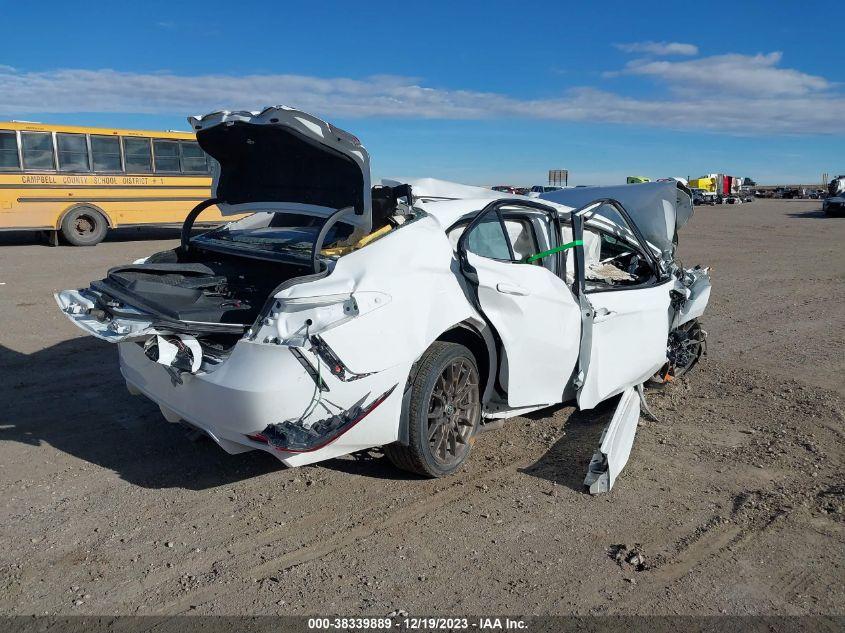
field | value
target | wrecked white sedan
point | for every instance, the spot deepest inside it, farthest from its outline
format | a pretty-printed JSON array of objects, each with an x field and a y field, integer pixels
[{"x": 341, "y": 316}]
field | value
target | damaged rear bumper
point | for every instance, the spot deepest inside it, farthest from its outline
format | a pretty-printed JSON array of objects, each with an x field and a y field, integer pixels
[{"x": 261, "y": 385}]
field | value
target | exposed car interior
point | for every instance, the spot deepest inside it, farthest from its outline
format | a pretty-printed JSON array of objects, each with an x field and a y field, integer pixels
[{"x": 612, "y": 255}]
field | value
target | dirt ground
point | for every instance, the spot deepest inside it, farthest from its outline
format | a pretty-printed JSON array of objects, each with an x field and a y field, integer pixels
[{"x": 735, "y": 497}]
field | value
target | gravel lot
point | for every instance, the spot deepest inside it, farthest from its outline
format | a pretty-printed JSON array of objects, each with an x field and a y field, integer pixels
[{"x": 735, "y": 497}]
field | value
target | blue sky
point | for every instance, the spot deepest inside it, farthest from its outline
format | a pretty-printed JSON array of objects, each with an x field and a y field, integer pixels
[{"x": 484, "y": 93}]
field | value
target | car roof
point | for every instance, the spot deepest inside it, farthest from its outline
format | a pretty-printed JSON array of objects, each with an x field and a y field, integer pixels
[{"x": 448, "y": 212}]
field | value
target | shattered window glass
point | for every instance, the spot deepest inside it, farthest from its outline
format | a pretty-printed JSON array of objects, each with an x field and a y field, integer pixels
[
  {"x": 275, "y": 233},
  {"x": 612, "y": 254}
]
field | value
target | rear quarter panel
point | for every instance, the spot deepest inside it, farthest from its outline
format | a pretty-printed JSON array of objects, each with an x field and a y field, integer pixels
[{"x": 417, "y": 267}]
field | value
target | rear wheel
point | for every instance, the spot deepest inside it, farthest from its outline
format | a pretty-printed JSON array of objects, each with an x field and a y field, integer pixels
[
  {"x": 444, "y": 412},
  {"x": 84, "y": 226}
]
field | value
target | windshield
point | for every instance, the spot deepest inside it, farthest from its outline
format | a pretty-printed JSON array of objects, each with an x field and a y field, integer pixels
[{"x": 281, "y": 233}]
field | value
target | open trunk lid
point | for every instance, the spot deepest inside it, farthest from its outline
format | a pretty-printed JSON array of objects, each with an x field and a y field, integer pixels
[{"x": 284, "y": 160}]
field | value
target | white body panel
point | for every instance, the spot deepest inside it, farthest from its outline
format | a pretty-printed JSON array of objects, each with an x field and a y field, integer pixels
[
  {"x": 616, "y": 442},
  {"x": 259, "y": 384},
  {"x": 307, "y": 126},
  {"x": 698, "y": 296},
  {"x": 539, "y": 323},
  {"x": 629, "y": 334}
]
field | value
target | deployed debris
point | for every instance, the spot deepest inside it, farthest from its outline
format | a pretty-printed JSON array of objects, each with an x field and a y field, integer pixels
[
  {"x": 624, "y": 557},
  {"x": 615, "y": 447}
]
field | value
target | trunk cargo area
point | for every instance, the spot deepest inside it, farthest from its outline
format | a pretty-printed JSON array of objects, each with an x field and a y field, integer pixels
[{"x": 200, "y": 286}]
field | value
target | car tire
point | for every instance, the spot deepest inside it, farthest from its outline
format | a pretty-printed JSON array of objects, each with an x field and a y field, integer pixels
[
  {"x": 687, "y": 344},
  {"x": 444, "y": 412},
  {"x": 84, "y": 226}
]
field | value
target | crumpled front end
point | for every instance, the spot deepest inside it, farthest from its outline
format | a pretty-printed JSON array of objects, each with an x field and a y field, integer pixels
[{"x": 693, "y": 294}]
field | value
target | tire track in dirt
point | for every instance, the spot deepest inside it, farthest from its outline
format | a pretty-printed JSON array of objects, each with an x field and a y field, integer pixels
[{"x": 423, "y": 505}]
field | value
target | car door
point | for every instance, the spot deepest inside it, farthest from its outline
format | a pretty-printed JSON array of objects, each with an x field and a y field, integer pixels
[
  {"x": 625, "y": 296},
  {"x": 530, "y": 307}
]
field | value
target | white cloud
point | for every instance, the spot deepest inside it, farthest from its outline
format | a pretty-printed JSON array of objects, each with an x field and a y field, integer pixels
[
  {"x": 757, "y": 75},
  {"x": 659, "y": 48},
  {"x": 738, "y": 111}
]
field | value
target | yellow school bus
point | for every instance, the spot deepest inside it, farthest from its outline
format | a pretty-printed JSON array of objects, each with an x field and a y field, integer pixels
[{"x": 78, "y": 182}]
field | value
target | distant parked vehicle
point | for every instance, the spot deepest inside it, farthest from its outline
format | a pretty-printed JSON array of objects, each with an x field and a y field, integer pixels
[
  {"x": 791, "y": 194},
  {"x": 521, "y": 191},
  {"x": 699, "y": 199},
  {"x": 536, "y": 190},
  {"x": 504, "y": 189},
  {"x": 702, "y": 196},
  {"x": 80, "y": 182}
]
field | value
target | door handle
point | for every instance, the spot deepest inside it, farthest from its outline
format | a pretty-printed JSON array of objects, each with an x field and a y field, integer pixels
[
  {"x": 602, "y": 314},
  {"x": 512, "y": 289}
]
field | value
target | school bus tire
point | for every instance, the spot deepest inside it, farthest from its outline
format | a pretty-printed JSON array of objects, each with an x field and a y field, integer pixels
[{"x": 84, "y": 226}]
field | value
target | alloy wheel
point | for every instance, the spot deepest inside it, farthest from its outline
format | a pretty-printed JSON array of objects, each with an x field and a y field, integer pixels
[{"x": 453, "y": 410}]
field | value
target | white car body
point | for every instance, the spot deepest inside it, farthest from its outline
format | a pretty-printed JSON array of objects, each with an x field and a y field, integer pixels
[{"x": 326, "y": 362}]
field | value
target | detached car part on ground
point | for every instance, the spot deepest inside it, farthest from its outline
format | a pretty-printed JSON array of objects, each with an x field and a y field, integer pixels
[{"x": 340, "y": 316}]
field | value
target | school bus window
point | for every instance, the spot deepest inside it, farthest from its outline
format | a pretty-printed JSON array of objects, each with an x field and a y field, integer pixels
[
  {"x": 105, "y": 153},
  {"x": 193, "y": 158},
  {"x": 136, "y": 152},
  {"x": 166, "y": 155},
  {"x": 73, "y": 152},
  {"x": 9, "y": 150},
  {"x": 37, "y": 150}
]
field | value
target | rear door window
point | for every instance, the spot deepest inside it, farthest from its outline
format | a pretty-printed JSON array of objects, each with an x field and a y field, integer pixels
[
  {"x": 37, "y": 150},
  {"x": 521, "y": 236},
  {"x": 488, "y": 239},
  {"x": 73, "y": 152},
  {"x": 9, "y": 150}
]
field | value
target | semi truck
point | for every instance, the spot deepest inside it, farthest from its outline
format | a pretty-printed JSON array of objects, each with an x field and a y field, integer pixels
[{"x": 719, "y": 186}]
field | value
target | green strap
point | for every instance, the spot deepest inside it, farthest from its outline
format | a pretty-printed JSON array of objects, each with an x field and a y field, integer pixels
[{"x": 533, "y": 258}]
